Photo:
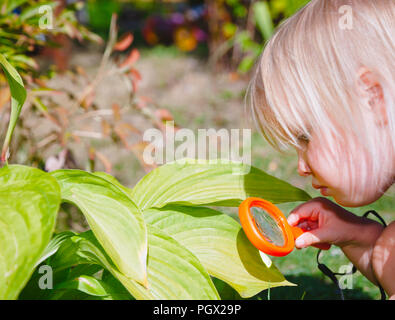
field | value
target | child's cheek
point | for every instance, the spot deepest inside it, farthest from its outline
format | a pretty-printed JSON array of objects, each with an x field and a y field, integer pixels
[{"x": 324, "y": 167}]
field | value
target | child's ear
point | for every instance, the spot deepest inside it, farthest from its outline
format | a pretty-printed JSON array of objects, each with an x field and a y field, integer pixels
[{"x": 370, "y": 89}]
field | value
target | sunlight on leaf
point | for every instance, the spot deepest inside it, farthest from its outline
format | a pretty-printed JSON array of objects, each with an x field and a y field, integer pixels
[
  {"x": 29, "y": 203},
  {"x": 220, "y": 244},
  {"x": 203, "y": 182},
  {"x": 116, "y": 221}
]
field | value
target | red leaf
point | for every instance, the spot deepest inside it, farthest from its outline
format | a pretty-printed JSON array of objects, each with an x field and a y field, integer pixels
[
  {"x": 131, "y": 59},
  {"x": 124, "y": 43}
]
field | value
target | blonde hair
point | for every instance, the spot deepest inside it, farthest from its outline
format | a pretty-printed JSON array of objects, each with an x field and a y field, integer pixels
[{"x": 305, "y": 81}]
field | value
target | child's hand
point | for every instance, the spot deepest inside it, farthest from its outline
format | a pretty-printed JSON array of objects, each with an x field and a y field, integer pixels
[{"x": 325, "y": 222}]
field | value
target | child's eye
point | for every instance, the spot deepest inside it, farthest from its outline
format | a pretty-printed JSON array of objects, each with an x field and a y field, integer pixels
[{"x": 303, "y": 137}]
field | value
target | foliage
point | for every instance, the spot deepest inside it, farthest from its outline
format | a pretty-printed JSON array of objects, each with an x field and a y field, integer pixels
[
  {"x": 100, "y": 12},
  {"x": 21, "y": 34},
  {"x": 65, "y": 115},
  {"x": 111, "y": 215},
  {"x": 252, "y": 23},
  {"x": 25, "y": 29},
  {"x": 18, "y": 96},
  {"x": 267, "y": 14},
  {"x": 185, "y": 243}
]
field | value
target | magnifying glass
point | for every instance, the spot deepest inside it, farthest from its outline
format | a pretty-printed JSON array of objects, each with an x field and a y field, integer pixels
[{"x": 267, "y": 228}]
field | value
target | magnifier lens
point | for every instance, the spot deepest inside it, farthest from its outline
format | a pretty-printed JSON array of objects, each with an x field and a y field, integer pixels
[{"x": 268, "y": 226}]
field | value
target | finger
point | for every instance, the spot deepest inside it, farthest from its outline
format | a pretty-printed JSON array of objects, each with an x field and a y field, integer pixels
[
  {"x": 293, "y": 219},
  {"x": 308, "y": 210},
  {"x": 303, "y": 214},
  {"x": 311, "y": 238}
]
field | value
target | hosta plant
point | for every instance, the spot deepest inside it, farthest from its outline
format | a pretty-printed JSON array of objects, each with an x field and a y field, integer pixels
[{"x": 165, "y": 238}]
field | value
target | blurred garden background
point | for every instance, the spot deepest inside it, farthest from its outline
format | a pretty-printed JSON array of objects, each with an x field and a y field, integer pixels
[{"x": 102, "y": 71}]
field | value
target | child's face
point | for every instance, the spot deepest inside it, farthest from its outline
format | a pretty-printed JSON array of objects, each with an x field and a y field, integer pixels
[{"x": 331, "y": 181}]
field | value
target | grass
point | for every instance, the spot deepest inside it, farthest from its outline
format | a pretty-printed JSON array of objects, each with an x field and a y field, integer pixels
[{"x": 300, "y": 268}]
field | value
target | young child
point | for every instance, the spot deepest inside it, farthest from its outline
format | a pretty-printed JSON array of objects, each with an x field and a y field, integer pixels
[{"x": 326, "y": 86}]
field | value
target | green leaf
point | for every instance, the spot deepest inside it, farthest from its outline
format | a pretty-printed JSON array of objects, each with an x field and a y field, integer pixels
[
  {"x": 86, "y": 284},
  {"x": 202, "y": 182},
  {"x": 173, "y": 271},
  {"x": 263, "y": 19},
  {"x": 246, "y": 64},
  {"x": 84, "y": 270},
  {"x": 114, "y": 218},
  {"x": 293, "y": 6},
  {"x": 32, "y": 290},
  {"x": 79, "y": 282},
  {"x": 113, "y": 180},
  {"x": 18, "y": 97},
  {"x": 225, "y": 291},
  {"x": 278, "y": 7},
  {"x": 114, "y": 288},
  {"x": 107, "y": 288},
  {"x": 54, "y": 245},
  {"x": 29, "y": 202},
  {"x": 24, "y": 60},
  {"x": 220, "y": 244},
  {"x": 40, "y": 105},
  {"x": 89, "y": 286}
]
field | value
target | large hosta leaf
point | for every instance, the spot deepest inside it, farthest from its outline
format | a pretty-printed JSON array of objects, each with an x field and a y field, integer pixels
[
  {"x": 114, "y": 218},
  {"x": 29, "y": 202},
  {"x": 219, "y": 182},
  {"x": 173, "y": 271},
  {"x": 113, "y": 180},
  {"x": 220, "y": 244}
]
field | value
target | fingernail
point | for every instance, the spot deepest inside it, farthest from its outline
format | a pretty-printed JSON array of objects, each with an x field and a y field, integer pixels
[
  {"x": 299, "y": 242},
  {"x": 291, "y": 219}
]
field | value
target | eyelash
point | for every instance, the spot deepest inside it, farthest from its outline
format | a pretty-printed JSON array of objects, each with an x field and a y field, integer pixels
[{"x": 303, "y": 137}]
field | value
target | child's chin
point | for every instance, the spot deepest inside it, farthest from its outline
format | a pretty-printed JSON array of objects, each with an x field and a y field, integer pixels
[{"x": 352, "y": 203}]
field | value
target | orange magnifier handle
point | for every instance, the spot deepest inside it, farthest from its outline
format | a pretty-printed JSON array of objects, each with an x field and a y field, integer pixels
[{"x": 262, "y": 240}]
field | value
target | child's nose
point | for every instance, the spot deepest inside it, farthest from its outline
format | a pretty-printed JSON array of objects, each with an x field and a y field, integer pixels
[{"x": 303, "y": 168}]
